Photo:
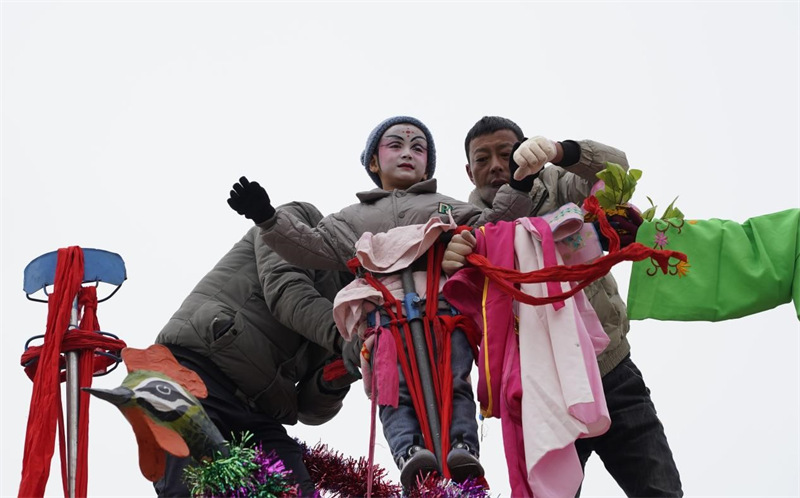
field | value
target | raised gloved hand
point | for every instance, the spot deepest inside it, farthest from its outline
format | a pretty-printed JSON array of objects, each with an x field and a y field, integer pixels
[
  {"x": 527, "y": 159},
  {"x": 532, "y": 155},
  {"x": 351, "y": 355},
  {"x": 625, "y": 225},
  {"x": 455, "y": 255},
  {"x": 251, "y": 201}
]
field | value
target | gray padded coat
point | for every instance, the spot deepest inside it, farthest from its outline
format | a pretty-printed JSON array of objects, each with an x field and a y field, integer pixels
[{"x": 331, "y": 243}]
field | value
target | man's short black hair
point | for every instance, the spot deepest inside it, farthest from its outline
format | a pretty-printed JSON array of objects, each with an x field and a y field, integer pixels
[{"x": 488, "y": 125}]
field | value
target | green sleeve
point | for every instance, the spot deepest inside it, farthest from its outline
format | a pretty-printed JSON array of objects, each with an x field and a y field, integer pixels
[{"x": 733, "y": 269}]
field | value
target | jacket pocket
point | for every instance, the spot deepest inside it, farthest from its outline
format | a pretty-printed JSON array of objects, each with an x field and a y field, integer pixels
[
  {"x": 279, "y": 399},
  {"x": 214, "y": 324}
]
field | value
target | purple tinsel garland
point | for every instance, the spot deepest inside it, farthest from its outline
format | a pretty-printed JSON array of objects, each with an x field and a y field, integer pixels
[{"x": 334, "y": 474}]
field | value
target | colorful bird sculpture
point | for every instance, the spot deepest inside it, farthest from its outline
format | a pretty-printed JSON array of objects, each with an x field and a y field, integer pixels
[{"x": 159, "y": 398}]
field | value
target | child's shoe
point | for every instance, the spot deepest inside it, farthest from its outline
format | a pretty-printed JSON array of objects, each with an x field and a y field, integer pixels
[
  {"x": 462, "y": 463},
  {"x": 419, "y": 462}
]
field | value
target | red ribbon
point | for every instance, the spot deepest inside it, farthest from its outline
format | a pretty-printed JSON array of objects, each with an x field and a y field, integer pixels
[
  {"x": 44, "y": 365},
  {"x": 582, "y": 274}
]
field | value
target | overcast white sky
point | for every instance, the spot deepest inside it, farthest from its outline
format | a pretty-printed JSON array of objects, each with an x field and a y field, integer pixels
[{"x": 125, "y": 123}]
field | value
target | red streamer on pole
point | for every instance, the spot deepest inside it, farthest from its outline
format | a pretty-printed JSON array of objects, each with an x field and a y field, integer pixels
[
  {"x": 438, "y": 329},
  {"x": 43, "y": 364}
]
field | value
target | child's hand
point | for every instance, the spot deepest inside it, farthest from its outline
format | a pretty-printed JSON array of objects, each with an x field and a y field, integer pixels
[
  {"x": 251, "y": 201},
  {"x": 455, "y": 256}
]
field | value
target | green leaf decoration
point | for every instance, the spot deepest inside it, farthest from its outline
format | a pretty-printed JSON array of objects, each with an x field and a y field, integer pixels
[
  {"x": 620, "y": 186},
  {"x": 606, "y": 199},
  {"x": 613, "y": 176},
  {"x": 672, "y": 211},
  {"x": 628, "y": 187}
]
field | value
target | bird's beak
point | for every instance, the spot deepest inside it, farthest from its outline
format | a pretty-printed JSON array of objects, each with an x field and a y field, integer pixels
[{"x": 117, "y": 396}]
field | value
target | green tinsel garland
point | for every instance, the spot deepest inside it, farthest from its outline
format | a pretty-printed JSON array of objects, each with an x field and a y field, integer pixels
[
  {"x": 246, "y": 472},
  {"x": 249, "y": 472}
]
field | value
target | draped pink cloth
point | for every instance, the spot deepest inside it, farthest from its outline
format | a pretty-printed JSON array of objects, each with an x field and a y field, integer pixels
[
  {"x": 552, "y": 361},
  {"x": 383, "y": 253},
  {"x": 394, "y": 250}
]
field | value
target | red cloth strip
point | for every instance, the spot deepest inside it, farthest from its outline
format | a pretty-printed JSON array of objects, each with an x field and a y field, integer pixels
[
  {"x": 438, "y": 330},
  {"x": 334, "y": 370},
  {"x": 584, "y": 274},
  {"x": 77, "y": 339},
  {"x": 45, "y": 407},
  {"x": 44, "y": 365}
]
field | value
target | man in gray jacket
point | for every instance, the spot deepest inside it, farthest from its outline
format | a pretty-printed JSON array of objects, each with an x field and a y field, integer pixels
[
  {"x": 259, "y": 332},
  {"x": 635, "y": 449}
]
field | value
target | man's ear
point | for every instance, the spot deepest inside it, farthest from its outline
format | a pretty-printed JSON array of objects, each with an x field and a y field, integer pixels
[{"x": 469, "y": 174}]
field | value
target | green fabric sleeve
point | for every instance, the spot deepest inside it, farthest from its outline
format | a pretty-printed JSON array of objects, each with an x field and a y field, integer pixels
[{"x": 733, "y": 269}]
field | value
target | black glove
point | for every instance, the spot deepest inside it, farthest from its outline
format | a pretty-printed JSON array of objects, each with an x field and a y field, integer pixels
[
  {"x": 351, "y": 355},
  {"x": 524, "y": 185},
  {"x": 251, "y": 201},
  {"x": 626, "y": 227}
]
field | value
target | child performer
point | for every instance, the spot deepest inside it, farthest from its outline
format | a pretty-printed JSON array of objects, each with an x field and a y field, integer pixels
[{"x": 400, "y": 157}]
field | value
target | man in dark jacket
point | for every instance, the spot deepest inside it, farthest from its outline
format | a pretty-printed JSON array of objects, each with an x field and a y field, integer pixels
[
  {"x": 259, "y": 332},
  {"x": 635, "y": 449}
]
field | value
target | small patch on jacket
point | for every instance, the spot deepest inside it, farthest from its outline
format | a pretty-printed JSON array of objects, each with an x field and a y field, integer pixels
[{"x": 444, "y": 208}]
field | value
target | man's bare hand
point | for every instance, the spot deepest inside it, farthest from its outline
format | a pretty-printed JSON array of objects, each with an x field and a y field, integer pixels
[{"x": 455, "y": 256}]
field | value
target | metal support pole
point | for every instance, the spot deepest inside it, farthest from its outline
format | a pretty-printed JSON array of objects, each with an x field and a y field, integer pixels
[
  {"x": 98, "y": 266},
  {"x": 73, "y": 408},
  {"x": 411, "y": 304}
]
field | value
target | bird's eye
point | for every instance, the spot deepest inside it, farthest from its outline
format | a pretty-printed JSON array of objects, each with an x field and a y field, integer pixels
[{"x": 163, "y": 389}]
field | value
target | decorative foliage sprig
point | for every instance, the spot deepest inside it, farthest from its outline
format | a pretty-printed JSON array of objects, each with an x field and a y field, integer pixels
[
  {"x": 671, "y": 212},
  {"x": 618, "y": 189},
  {"x": 619, "y": 186}
]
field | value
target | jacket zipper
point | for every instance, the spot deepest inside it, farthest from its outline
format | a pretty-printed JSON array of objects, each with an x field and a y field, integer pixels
[{"x": 535, "y": 211}]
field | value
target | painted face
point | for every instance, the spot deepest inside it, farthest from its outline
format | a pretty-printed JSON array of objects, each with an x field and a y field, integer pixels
[
  {"x": 402, "y": 157},
  {"x": 488, "y": 162}
]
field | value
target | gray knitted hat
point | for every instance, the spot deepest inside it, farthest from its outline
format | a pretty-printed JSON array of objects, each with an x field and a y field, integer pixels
[{"x": 375, "y": 136}]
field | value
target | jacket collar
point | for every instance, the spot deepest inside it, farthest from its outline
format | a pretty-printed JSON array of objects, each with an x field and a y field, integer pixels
[
  {"x": 423, "y": 187},
  {"x": 476, "y": 200}
]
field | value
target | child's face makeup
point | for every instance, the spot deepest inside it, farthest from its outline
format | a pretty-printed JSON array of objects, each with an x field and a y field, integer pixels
[{"x": 402, "y": 157}]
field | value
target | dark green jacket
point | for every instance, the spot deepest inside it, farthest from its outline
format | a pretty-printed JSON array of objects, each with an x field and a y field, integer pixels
[{"x": 267, "y": 326}]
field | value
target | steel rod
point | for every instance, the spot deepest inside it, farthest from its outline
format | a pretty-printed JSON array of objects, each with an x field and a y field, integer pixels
[
  {"x": 420, "y": 346},
  {"x": 73, "y": 408}
]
